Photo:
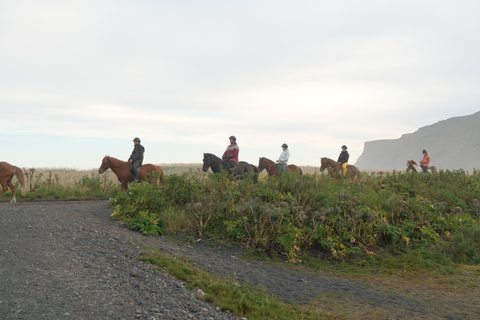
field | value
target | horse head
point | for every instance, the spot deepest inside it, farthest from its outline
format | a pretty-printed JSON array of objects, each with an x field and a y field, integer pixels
[
  {"x": 323, "y": 164},
  {"x": 105, "y": 165},
  {"x": 410, "y": 165},
  {"x": 206, "y": 162},
  {"x": 262, "y": 164}
]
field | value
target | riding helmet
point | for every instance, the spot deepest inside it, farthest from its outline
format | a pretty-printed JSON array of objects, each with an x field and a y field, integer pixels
[
  {"x": 285, "y": 145},
  {"x": 137, "y": 139},
  {"x": 344, "y": 147},
  {"x": 233, "y": 137},
  {"x": 424, "y": 151}
]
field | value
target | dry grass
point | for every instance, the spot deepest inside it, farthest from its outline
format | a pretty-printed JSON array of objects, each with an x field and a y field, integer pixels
[{"x": 68, "y": 176}]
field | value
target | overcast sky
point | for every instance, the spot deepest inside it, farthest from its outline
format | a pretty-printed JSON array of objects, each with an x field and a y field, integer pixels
[{"x": 81, "y": 79}]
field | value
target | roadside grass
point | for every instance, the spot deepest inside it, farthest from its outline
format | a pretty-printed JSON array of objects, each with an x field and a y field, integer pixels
[
  {"x": 242, "y": 300},
  {"x": 457, "y": 292}
]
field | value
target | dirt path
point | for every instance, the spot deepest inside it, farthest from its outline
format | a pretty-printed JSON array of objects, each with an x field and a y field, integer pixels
[{"x": 69, "y": 260}]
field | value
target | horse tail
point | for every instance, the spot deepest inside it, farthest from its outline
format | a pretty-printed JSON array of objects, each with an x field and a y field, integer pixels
[
  {"x": 300, "y": 169},
  {"x": 19, "y": 175},
  {"x": 161, "y": 175}
]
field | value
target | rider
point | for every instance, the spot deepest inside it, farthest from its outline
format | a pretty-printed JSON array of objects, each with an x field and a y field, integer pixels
[
  {"x": 343, "y": 159},
  {"x": 136, "y": 158},
  {"x": 283, "y": 159},
  {"x": 231, "y": 154},
  {"x": 425, "y": 161}
]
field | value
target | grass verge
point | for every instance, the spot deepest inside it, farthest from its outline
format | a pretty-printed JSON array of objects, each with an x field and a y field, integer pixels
[{"x": 242, "y": 300}]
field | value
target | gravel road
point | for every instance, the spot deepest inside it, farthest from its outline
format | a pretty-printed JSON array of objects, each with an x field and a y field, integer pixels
[{"x": 70, "y": 260}]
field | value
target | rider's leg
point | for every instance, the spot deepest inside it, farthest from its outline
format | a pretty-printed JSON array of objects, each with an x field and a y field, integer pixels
[
  {"x": 136, "y": 169},
  {"x": 344, "y": 168}
]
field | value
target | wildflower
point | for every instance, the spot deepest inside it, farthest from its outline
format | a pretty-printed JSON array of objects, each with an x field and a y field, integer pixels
[
  {"x": 316, "y": 215},
  {"x": 197, "y": 206},
  {"x": 302, "y": 216},
  {"x": 371, "y": 216}
]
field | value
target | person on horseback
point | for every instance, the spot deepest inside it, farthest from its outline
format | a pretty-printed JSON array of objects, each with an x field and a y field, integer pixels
[
  {"x": 425, "y": 161},
  {"x": 136, "y": 158},
  {"x": 343, "y": 159},
  {"x": 283, "y": 159},
  {"x": 230, "y": 156}
]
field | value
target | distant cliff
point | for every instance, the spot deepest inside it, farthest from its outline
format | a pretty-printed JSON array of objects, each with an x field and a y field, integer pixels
[{"x": 452, "y": 144}]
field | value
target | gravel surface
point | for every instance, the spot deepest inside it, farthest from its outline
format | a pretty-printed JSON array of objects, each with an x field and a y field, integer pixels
[{"x": 70, "y": 260}]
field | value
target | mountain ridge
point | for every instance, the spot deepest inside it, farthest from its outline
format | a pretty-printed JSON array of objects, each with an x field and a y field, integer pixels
[{"x": 452, "y": 144}]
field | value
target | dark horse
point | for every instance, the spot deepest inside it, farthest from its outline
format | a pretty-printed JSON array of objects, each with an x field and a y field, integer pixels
[
  {"x": 216, "y": 164},
  {"x": 327, "y": 163},
  {"x": 7, "y": 171},
  {"x": 412, "y": 163},
  {"x": 121, "y": 169},
  {"x": 272, "y": 167}
]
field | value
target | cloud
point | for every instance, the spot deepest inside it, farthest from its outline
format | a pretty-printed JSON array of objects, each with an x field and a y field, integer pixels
[{"x": 313, "y": 74}]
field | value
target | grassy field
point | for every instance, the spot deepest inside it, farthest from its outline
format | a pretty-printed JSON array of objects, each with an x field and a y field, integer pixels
[
  {"x": 69, "y": 176},
  {"x": 44, "y": 183}
]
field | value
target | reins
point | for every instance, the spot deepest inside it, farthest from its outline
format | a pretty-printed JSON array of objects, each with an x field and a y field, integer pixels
[{"x": 215, "y": 164}]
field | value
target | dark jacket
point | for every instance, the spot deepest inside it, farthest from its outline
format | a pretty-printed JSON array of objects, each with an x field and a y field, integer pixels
[
  {"x": 137, "y": 153},
  {"x": 343, "y": 157}
]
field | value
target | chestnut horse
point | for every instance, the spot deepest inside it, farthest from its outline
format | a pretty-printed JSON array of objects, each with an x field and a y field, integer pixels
[
  {"x": 412, "y": 163},
  {"x": 327, "y": 163},
  {"x": 7, "y": 171},
  {"x": 121, "y": 169},
  {"x": 215, "y": 163},
  {"x": 273, "y": 168}
]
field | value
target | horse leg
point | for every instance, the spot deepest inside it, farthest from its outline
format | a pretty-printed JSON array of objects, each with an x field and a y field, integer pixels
[
  {"x": 3, "y": 182},
  {"x": 14, "y": 191},
  {"x": 124, "y": 185}
]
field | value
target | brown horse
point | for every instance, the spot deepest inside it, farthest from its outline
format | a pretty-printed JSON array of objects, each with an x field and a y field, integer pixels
[
  {"x": 121, "y": 169},
  {"x": 7, "y": 171},
  {"x": 333, "y": 166},
  {"x": 272, "y": 167},
  {"x": 412, "y": 163}
]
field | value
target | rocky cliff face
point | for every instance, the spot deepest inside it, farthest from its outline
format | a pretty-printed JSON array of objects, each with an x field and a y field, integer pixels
[{"x": 452, "y": 144}]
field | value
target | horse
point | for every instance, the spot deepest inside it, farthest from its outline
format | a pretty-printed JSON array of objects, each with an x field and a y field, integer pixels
[
  {"x": 272, "y": 167},
  {"x": 216, "y": 165},
  {"x": 7, "y": 171},
  {"x": 412, "y": 163},
  {"x": 121, "y": 169},
  {"x": 333, "y": 166}
]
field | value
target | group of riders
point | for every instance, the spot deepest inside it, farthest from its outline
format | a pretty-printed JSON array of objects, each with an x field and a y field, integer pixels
[{"x": 230, "y": 157}]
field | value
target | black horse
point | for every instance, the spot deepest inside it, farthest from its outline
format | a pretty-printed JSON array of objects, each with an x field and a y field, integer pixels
[{"x": 241, "y": 168}]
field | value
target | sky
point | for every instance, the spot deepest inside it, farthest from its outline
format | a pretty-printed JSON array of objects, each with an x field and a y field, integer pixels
[{"x": 80, "y": 79}]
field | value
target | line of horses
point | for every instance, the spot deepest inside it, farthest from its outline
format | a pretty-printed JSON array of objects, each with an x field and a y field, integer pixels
[{"x": 155, "y": 174}]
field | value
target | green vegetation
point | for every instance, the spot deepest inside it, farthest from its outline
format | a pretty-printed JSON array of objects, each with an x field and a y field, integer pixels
[
  {"x": 56, "y": 186},
  {"x": 435, "y": 214}
]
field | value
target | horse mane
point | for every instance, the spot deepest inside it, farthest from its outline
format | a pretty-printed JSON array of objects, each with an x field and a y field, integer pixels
[
  {"x": 215, "y": 156},
  {"x": 265, "y": 158}
]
